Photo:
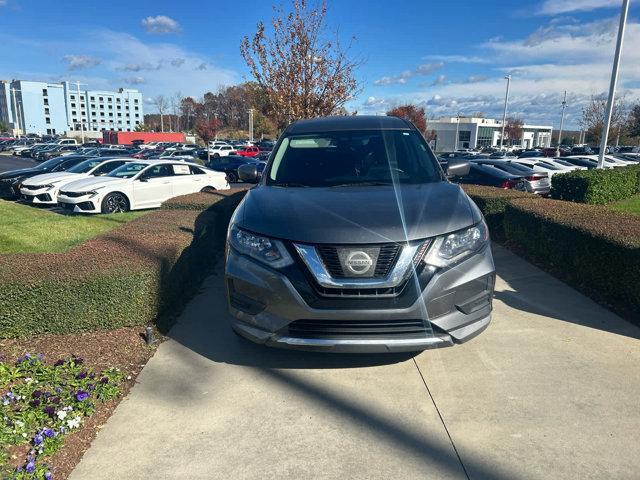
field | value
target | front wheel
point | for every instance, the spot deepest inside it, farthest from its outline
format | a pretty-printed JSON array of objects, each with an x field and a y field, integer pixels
[
  {"x": 232, "y": 177},
  {"x": 208, "y": 190},
  {"x": 115, "y": 203}
]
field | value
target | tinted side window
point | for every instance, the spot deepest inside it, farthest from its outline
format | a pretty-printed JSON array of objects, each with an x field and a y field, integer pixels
[
  {"x": 196, "y": 170},
  {"x": 159, "y": 171},
  {"x": 107, "y": 167}
]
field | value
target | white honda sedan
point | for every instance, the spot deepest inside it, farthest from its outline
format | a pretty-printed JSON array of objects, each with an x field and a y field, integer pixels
[
  {"x": 43, "y": 189},
  {"x": 138, "y": 185}
]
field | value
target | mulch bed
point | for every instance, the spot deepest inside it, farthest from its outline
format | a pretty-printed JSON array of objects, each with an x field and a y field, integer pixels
[{"x": 123, "y": 348}]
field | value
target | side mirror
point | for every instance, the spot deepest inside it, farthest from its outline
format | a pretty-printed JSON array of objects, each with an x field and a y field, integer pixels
[
  {"x": 142, "y": 178},
  {"x": 248, "y": 173},
  {"x": 458, "y": 168}
]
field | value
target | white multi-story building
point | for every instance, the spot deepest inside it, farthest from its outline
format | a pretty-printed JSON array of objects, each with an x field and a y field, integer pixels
[
  {"x": 474, "y": 132},
  {"x": 57, "y": 108}
]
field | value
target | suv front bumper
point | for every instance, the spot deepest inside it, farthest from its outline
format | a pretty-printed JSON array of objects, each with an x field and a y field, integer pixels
[{"x": 453, "y": 304}]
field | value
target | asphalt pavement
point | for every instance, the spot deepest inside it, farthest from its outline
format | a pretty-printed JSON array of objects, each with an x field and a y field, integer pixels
[{"x": 549, "y": 391}]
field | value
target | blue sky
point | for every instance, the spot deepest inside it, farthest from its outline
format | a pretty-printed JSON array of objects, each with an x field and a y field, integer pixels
[{"x": 449, "y": 56}]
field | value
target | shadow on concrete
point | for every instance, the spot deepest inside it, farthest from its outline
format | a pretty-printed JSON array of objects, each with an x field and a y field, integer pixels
[
  {"x": 537, "y": 292},
  {"x": 205, "y": 328}
]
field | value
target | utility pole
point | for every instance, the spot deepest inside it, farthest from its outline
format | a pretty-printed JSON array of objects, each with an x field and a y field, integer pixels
[
  {"x": 251, "y": 125},
  {"x": 80, "y": 99},
  {"x": 564, "y": 105},
  {"x": 16, "y": 123},
  {"x": 455, "y": 146},
  {"x": 614, "y": 80},
  {"x": 504, "y": 114}
]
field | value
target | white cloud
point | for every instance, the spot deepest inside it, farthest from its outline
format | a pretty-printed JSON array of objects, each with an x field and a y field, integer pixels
[
  {"x": 133, "y": 80},
  {"x": 401, "y": 79},
  {"x": 78, "y": 62},
  {"x": 3, "y": 3},
  {"x": 557, "y": 7},
  {"x": 160, "y": 24},
  {"x": 457, "y": 59}
]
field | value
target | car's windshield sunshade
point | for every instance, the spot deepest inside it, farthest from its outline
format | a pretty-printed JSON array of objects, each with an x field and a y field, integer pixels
[{"x": 353, "y": 158}]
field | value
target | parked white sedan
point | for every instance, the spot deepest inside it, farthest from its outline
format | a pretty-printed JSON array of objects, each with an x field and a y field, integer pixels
[
  {"x": 138, "y": 185},
  {"x": 43, "y": 189}
]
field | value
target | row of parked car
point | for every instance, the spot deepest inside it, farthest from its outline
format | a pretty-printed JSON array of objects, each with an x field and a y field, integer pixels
[
  {"x": 529, "y": 173},
  {"x": 92, "y": 184}
]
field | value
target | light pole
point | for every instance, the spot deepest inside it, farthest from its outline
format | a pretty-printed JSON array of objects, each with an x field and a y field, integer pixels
[
  {"x": 455, "y": 145},
  {"x": 504, "y": 114},
  {"x": 614, "y": 80},
  {"x": 80, "y": 110},
  {"x": 564, "y": 105}
]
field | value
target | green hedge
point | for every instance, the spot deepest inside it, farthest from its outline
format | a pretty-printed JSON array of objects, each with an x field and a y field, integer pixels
[
  {"x": 596, "y": 186},
  {"x": 588, "y": 246},
  {"x": 141, "y": 272},
  {"x": 493, "y": 203},
  {"x": 591, "y": 247}
]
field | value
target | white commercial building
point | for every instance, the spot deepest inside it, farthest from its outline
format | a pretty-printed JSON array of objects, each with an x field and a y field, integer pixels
[
  {"x": 57, "y": 108},
  {"x": 474, "y": 132}
]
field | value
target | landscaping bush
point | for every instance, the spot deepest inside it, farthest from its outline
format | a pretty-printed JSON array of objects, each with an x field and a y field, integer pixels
[
  {"x": 493, "y": 202},
  {"x": 142, "y": 271},
  {"x": 591, "y": 247},
  {"x": 597, "y": 186}
]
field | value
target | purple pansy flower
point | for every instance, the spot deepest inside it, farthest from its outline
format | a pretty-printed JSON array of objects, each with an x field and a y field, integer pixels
[
  {"x": 104, "y": 380},
  {"x": 59, "y": 363},
  {"x": 49, "y": 410},
  {"x": 81, "y": 375},
  {"x": 36, "y": 394},
  {"x": 48, "y": 432},
  {"x": 48, "y": 476},
  {"x": 81, "y": 395},
  {"x": 31, "y": 467},
  {"x": 38, "y": 439},
  {"x": 34, "y": 403}
]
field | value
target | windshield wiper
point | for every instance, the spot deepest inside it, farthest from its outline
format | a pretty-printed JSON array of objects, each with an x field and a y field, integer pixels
[
  {"x": 362, "y": 184},
  {"x": 289, "y": 184}
]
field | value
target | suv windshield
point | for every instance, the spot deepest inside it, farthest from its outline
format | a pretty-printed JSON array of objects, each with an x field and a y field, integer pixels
[{"x": 353, "y": 158}]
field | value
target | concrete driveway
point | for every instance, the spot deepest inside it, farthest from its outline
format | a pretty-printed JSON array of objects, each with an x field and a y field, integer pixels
[{"x": 551, "y": 390}]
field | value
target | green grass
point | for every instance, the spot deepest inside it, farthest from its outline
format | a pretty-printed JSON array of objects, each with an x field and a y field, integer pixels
[
  {"x": 28, "y": 229},
  {"x": 630, "y": 205}
]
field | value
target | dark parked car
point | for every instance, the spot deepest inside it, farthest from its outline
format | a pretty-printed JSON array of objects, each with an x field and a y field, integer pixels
[
  {"x": 492, "y": 177},
  {"x": 582, "y": 151},
  {"x": 229, "y": 165},
  {"x": 354, "y": 240},
  {"x": 55, "y": 152},
  {"x": 10, "y": 181}
]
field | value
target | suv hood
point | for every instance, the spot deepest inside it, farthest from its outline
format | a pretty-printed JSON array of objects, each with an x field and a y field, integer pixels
[
  {"x": 356, "y": 215},
  {"x": 92, "y": 183},
  {"x": 47, "y": 178}
]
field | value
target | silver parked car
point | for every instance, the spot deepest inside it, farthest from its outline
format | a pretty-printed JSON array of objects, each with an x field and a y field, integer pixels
[{"x": 354, "y": 240}]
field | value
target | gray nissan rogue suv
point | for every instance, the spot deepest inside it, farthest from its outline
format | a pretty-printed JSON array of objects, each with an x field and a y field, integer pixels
[{"x": 355, "y": 241}]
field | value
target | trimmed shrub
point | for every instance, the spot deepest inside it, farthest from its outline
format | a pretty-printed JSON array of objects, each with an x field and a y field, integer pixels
[
  {"x": 493, "y": 202},
  {"x": 591, "y": 247},
  {"x": 597, "y": 186},
  {"x": 141, "y": 272}
]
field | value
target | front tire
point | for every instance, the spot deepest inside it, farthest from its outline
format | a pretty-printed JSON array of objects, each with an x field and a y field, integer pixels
[
  {"x": 115, "y": 202},
  {"x": 232, "y": 177},
  {"x": 208, "y": 190}
]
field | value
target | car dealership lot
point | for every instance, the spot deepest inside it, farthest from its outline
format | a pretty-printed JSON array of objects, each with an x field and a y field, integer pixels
[
  {"x": 550, "y": 390},
  {"x": 10, "y": 162}
]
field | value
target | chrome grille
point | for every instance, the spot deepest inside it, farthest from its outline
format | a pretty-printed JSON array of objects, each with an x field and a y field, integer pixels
[{"x": 385, "y": 260}]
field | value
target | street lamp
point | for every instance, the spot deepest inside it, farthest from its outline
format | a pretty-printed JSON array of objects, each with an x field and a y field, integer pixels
[
  {"x": 614, "y": 80},
  {"x": 80, "y": 110},
  {"x": 504, "y": 114},
  {"x": 564, "y": 105}
]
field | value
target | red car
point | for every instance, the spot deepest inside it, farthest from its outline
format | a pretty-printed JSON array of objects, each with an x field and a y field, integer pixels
[{"x": 247, "y": 151}]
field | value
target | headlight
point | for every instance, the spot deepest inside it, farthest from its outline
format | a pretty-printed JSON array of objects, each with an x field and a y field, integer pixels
[
  {"x": 266, "y": 250},
  {"x": 452, "y": 248}
]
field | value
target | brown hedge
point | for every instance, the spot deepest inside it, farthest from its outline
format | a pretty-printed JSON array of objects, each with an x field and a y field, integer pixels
[{"x": 137, "y": 273}]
